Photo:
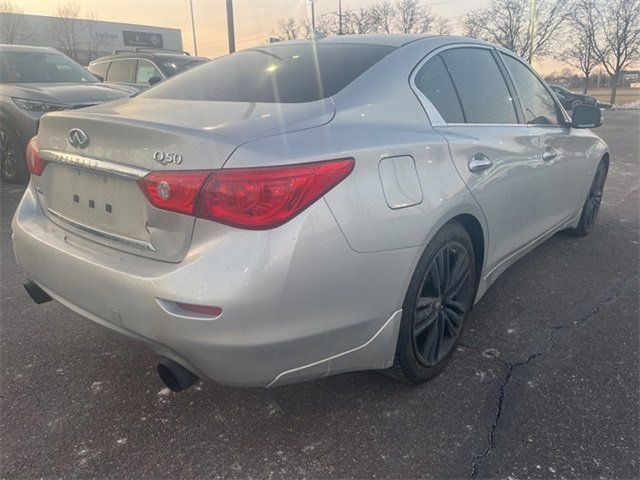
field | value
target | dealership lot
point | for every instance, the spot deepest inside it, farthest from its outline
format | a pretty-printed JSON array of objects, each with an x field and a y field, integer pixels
[{"x": 544, "y": 386}]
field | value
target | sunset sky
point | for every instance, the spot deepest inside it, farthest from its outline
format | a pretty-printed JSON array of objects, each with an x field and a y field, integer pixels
[{"x": 255, "y": 20}]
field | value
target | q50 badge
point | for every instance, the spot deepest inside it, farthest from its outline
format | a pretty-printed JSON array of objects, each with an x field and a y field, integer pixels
[{"x": 167, "y": 158}]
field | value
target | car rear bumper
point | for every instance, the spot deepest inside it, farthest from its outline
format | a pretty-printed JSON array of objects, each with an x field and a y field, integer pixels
[{"x": 297, "y": 302}]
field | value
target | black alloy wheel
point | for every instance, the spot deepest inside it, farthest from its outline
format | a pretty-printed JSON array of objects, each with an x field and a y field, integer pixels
[
  {"x": 437, "y": 302},
  {"x": 592, "y": 204},
  {"x": 442, "y": 304},
  {"x": 7, "y": 157},
  {"x": 13, "y": 168},
  {"x": 594, "y": 199}
]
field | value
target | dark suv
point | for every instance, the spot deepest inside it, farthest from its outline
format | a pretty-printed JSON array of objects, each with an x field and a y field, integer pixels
[{"x": 142, "y": 67}]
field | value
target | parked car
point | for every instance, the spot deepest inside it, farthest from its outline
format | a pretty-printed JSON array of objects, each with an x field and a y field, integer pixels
[
  {"x": 33, "y": 81},
  {"x": 571, "y": 100},
  {"x": 306, "y": 208},
  {"x": 143, "y": 67}
]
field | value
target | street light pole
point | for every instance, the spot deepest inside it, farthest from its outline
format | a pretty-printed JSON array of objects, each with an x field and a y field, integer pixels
[
  {"x": 313, "y": 15},
  {"x": 339, "y": 17},
  {"x": 230, "y": 28},
  {"x": 193, "y": 29}
]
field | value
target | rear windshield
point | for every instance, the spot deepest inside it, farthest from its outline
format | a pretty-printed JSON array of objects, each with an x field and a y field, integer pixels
[
  {"x": 41, "y": 67},
  {"x": 172, "y": 64},
  {"x": 292, "y": 73}
]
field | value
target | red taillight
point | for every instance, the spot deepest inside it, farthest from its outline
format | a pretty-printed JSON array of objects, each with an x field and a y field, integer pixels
[
  {"x": 266, "y": 197},
  {"x": 252, "y": 198},
  {"x": 34, "y": 163},
  {"x": 173, "y": 191}
]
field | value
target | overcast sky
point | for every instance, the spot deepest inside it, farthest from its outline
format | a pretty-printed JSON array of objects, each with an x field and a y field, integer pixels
[{"x": 255, "y": 20}]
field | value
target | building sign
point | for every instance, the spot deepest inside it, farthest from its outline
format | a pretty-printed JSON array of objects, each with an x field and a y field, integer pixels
[{"x": 142, "y": 39}]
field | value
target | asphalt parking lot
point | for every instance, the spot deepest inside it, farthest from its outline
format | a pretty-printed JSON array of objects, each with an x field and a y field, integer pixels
[{"x": 546, "y": 384}]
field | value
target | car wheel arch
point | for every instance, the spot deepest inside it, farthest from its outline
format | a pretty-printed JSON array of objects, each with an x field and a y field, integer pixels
[
  {"x": 475, "y": 231},
  {"x": 472, "y": 221},
  {"x": 605, "y": 158}
]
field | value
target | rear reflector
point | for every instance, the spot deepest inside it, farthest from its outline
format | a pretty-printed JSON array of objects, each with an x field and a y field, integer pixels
[
  {"x": 203, "y": 309},
  {"x": 250, "y": 198},
  {"x": 34, "y": 163},
  {"x": 262, "y": 198},
  {"x": 173, "y": 191}
]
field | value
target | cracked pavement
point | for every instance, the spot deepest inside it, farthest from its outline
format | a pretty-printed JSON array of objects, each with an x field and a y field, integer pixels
[{"x": 544, "y": 385}]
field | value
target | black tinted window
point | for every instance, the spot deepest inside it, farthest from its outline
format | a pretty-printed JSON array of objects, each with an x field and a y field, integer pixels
[
  {"x": 434, "y": 81},
  {"x": 480, "y": 85},
  {"x": 274, "y": 74},
  {"x": 121, "y": 71},
  {"x": 99, "y": 69},
  {"x": 537, "y": 103}
]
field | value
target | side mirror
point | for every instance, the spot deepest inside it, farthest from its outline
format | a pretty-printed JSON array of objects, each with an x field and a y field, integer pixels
[
  {"x": 99, "y": 77},
  {"x": 586, "y": 116},
  {"x": 155, "y": 79}
]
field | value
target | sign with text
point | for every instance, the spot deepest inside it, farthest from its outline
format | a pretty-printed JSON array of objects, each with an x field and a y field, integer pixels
[{"x": 142, "y": 39}]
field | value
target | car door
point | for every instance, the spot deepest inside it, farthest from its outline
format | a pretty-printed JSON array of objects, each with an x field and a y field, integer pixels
[
  {"x": 563, "y": 154},
  {"x": 497, "y": 156}
]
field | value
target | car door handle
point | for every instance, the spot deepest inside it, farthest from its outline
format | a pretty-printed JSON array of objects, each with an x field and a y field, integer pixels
[
  {"x": 479, "y": 162},
  {"x": 549, "y": 154}
]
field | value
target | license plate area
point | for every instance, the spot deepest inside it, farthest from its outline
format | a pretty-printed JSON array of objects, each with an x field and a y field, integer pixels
[{"x": 101, "y": 202}]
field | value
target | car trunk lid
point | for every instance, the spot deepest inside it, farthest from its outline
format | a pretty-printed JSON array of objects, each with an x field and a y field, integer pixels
[{"x": 93, "y": 191}]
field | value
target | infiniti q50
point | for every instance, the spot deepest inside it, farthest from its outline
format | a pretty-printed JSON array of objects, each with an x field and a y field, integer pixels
[{"x": 307, "y": 208}]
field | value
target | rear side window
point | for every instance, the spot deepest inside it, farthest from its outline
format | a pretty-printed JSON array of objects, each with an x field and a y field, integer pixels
[
  {"x": 480, "y": 85},
  {"x": 99, "y": 69},
  {"x": 121, "y": 71},
  {"x": 537, "y": 103},
  {"x": 434, "y": 81},
  {"x": 145, "y": 71},
  {"x": 274, "y": 74}
]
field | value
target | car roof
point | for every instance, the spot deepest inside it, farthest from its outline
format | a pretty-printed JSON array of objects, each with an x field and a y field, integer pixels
[
  {"x": 148, "y": 55},
  {"x": 27, "y": 48},
  {"x": 391, "y": 39}
]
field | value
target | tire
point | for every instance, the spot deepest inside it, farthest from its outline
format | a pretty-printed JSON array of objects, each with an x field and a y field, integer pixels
[
  {"x": 13, "y": 166},
  {"x": 591, "y": 205},
  {"x": 576, "y": 103},
  {"x": 432, "y": 320}
]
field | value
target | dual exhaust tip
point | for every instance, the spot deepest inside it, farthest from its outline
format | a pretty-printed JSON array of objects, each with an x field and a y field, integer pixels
[{"x": 172, "y": 374}]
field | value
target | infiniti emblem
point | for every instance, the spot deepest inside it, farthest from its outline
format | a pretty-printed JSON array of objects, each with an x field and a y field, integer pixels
[{"x": 78, "y": 138}]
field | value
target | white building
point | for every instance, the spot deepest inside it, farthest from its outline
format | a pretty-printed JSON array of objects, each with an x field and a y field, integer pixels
[{"x": 84, "y": 40}]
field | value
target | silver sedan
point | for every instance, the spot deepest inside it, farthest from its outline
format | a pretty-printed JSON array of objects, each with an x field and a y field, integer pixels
[{"x": 307, "y": 208}]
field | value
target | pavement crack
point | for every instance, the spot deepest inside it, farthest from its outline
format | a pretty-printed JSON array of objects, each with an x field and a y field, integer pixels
[
  {"x": 502, "y": 391},
  {"x": 607, "y": 297}
]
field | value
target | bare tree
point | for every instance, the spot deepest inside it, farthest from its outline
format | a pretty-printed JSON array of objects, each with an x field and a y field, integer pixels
[
  {"x": 615, "y": 35},
  {"x": 357, "y": 21},
  {"x": 382, "y": 17},
  {"x": 400, "y": 16},
  {"x": 410, "y": 16},
  {"x": 94, "y": 42},
  {"x": 66, "y": 29},
  {"x": 579, "y": 51},
  {"x": 508, "y": 23},
  {"x": 13, "y": 27},
  {"x": 290, "y": 29}
]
